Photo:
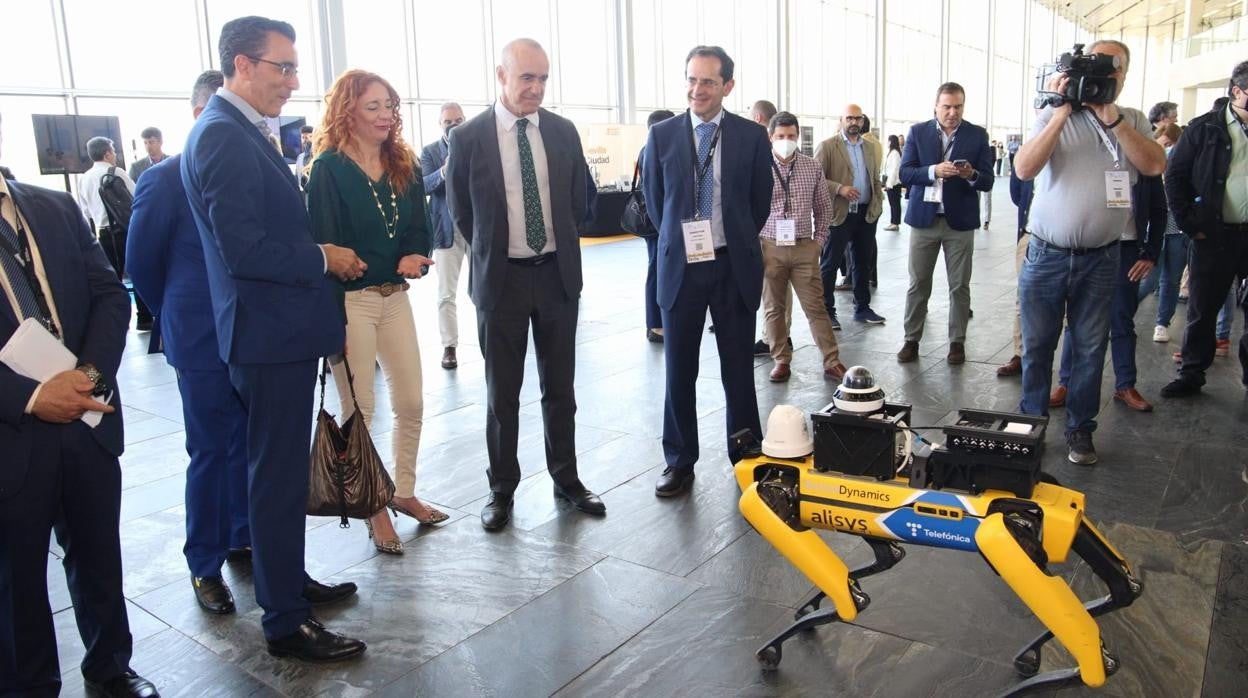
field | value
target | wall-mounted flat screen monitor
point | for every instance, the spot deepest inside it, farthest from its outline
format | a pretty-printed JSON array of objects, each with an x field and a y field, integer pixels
[
  {"x": 61, "y": 140},
  {"x": 289, "y": 135}
]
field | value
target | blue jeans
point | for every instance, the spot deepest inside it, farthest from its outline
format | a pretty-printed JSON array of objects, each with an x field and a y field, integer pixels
[
  {"x": 1121, "y": 324},
  {"x": 1226, "y": 316},
  {"x": 1166, "y": 276},
  {"x": 1056, "y": 284}
]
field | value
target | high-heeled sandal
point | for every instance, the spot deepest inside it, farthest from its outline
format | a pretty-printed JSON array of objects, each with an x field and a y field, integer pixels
[
  {"x": 429, "y": 517},
  {"x": 389, "y": 547}
]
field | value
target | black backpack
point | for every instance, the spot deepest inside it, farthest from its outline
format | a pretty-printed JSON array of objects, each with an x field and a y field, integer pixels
[{"x": 117, "y": 199}]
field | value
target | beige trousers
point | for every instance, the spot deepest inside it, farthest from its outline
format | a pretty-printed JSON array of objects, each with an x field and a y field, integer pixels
[
  {"x": 795, "y": 267},
  {"x": 383, "y": 330},
  {"x": 1020, "y": 253}
]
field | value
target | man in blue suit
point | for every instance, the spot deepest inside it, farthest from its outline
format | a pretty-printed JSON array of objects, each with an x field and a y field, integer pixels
[
  {"x": 274, "y": 309},
  {"x": 449, "y": 246},
  {"x": 166, "y": 264},
  {"x": 946, "y": 162},
  {"x": 56, "y": 468},
  {"x": 707, "y": 182}
]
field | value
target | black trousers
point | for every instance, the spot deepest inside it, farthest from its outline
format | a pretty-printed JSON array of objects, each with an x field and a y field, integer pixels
[
  {"x": 533, "y": 297},
  {"x": 1212, "y": 269},
  {"x": 76, "y": 484},
  {"x": 113, "y": 240},
  {"x": 859, "y": 235},
  {"x": 894, "y": 204}
]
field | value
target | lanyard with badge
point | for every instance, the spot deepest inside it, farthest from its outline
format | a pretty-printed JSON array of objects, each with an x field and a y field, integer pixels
[
  {"x": 935, "y": 194},
  {"x": 1117, "y": 180},
  {"x": 26, "y": 260},
  {"x": 786, "y": 228},
  {"x": 699, "y": 246}
]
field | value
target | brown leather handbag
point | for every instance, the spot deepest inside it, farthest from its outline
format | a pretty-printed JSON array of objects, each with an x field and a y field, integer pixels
[{"x": 346, "y": 476}]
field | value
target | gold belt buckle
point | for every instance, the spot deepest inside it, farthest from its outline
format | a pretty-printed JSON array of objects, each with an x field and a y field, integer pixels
[{"x": 388, "y": 289}]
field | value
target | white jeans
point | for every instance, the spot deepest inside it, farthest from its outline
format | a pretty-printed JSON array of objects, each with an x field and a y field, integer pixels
[
  {"x": 446, "y": 264},
  {"x": 383, "y": 329}
]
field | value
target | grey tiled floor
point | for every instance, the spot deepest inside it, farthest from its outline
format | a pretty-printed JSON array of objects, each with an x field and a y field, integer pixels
[{"x": 672, "y": 597}]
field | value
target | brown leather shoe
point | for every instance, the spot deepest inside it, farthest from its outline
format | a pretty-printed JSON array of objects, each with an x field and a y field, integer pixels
[
  {"x": 909, "y": 352},
  {"x": 448, "y": 358},
  {"x": 780, "y": 373},
  {"x": 1058, "y": 397},
  {"x": 957, "y": 353},
  {"x": 1013, "y": 367},
  {"x": 835, "y": 373},
  {"x": 1132, "y": 398}
]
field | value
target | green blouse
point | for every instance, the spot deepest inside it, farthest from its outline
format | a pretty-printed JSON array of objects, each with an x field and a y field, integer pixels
[{"x": 344, "y": 212}]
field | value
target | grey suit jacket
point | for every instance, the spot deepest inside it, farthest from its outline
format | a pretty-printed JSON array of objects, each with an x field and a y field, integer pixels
[
  {"x": 833, "y": 156},
  {"x": 478, "y": 202}
]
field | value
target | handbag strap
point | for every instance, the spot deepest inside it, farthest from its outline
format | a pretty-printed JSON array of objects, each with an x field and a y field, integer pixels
[
  {"x": 636, "y": 174},
  {"x": 350, "y": 381}
]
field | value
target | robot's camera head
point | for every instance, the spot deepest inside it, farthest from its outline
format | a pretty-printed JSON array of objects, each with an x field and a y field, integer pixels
[
  {"x": 858, "y": 392},
  {"x": 787, "y": 434}
]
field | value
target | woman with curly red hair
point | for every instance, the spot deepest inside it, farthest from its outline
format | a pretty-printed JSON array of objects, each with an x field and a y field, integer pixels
[{"x": 365, "y": 192}]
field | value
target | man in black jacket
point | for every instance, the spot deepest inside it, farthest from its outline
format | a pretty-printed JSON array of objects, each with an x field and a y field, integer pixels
[{"x": 1207, "y": 186}]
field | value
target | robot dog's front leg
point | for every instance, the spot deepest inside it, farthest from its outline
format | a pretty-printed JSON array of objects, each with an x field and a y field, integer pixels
[{"x": 809, "y": 554}]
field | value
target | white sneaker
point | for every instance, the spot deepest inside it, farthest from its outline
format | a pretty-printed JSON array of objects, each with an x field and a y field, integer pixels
[{"x": 1161, "y": 334}]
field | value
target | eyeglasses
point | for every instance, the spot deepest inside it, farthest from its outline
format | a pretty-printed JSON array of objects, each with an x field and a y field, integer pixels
[
  {"x": 288, "y": 70},
  {"x": 854, "y": 118}
]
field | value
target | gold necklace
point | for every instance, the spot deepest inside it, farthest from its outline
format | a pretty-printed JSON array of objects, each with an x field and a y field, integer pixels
[{"x": 392, "y": 223}]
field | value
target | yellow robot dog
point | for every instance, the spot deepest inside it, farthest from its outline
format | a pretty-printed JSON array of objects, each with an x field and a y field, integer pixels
[{"x": 982, "y": 491}]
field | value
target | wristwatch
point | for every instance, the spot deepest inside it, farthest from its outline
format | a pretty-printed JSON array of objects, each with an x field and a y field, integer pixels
[{"x": 96, "y": 377}]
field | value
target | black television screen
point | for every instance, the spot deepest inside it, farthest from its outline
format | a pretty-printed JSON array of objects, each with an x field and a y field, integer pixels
[
  {"x": 61, "y": 141},
  {"x": 289, "y": 135}
]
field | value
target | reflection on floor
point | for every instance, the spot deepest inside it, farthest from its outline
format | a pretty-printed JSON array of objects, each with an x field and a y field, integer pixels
[{"x": 671, "y": 597}]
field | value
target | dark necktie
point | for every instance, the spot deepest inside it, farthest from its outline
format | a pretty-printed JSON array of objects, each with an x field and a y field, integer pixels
[
  {"x": 706, "y": 185},
  {"x": 16, "y": 275},
  {"x": 534, "y": 226}
]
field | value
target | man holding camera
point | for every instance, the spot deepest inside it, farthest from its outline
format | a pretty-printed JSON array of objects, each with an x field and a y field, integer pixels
[
  {"x": 1084, "y": 164},
  {"x": 1205, "y": 183}
]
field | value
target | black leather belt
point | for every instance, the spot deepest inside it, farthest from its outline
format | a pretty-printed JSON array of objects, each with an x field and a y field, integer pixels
[
  {"x": 534, "y": 261},
  {"x": 1235, "y": 227},
  {"x": 1076, "y": 251},
  {"x": 721, "y": 250}
]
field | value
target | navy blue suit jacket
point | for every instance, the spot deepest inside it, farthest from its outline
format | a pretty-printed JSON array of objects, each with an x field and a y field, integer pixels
[
  {"x": 270, "y": 297},
  {"x": 960, "y": 197},
  {"x": 165, "y": 260},
  {"x": 667, "y": 183},
  {"x": 431, "y": 160},
  {"x": 94, "y": 310}
]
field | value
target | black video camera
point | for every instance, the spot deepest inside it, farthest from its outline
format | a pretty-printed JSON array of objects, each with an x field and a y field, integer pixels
[{"x": 1091, "y": 80}]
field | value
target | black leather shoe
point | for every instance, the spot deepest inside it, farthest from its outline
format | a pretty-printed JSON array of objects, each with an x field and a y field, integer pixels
[
  {"x": 581, "y": 498},
  {"x": 127, "y": 684},
  {"x": 673, "y": 481},
  {"x": 313, "y": 643},
  {"x": 319, "y": 594},
  {"x": 212, "y": 595},
  {"x": 496, "y": 512},
  {"x": 236, "y": 555}
]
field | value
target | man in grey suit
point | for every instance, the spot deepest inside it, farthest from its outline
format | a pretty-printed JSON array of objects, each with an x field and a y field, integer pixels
[
  {"x": 516, "y": 187},
  {"x": 449, "y": 246}
]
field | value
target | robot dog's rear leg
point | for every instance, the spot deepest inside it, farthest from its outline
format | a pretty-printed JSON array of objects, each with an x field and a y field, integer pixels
[{"x": 887, "y": 554}]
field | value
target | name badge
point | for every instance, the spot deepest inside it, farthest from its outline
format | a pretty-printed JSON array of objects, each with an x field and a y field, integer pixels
[
  {"x": 786, "y": 232},
  {"x": 698, "y": 244},
  {"x": 1117, "y": 189},
  {"x": 935, "y": 193}
]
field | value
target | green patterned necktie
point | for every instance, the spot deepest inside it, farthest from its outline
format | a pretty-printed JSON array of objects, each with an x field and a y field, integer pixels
[{"x": 534, "y": 226}]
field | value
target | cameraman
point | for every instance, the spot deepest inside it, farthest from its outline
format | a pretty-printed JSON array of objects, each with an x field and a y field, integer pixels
[
  {"x": 1207, "y": 184},
  {"x": 1084, "y": 165}
]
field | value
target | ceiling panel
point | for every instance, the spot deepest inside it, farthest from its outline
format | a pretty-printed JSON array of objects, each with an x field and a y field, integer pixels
[{"x": 1137, "y": 16}]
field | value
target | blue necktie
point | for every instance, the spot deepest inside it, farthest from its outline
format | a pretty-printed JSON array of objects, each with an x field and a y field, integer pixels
[
  {"x": 17, "y": 277},
  {"x": 706, "y": 185}
]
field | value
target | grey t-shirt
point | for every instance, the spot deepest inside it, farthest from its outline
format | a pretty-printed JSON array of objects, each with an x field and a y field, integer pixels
[{"x": 1069, "y": 207}]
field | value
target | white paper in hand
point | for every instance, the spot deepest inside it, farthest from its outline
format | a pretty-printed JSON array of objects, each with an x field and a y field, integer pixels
[{"x": 33, "y": 352}]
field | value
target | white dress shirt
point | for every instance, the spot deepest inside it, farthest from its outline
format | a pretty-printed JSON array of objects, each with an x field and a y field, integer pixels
[
  {"x": 717, "y": 200},
  {"x": 89, "y": 191},
  {"x": 513, "y": 185}
]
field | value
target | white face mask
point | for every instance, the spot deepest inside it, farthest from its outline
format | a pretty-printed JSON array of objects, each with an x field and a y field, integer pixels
[{"x": 784, "y": 148}]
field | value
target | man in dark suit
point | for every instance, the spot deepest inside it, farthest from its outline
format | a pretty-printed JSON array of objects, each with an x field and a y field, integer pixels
[
  {"x": 449, "y": 245},
  {"x": 946, "y": 162},
  {"x": 707, "y": 181},
  {"x": 516, "y": 187},
  {"x": 56, "y": 468},
  {"x": 274, "y": 309},
  {"x": 167, "y": 267}
]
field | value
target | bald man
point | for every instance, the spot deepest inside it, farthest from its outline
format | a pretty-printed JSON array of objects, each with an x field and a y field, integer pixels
[
  {"x": 851, "y": 165},
  {"x": 516, "y": 190}
]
